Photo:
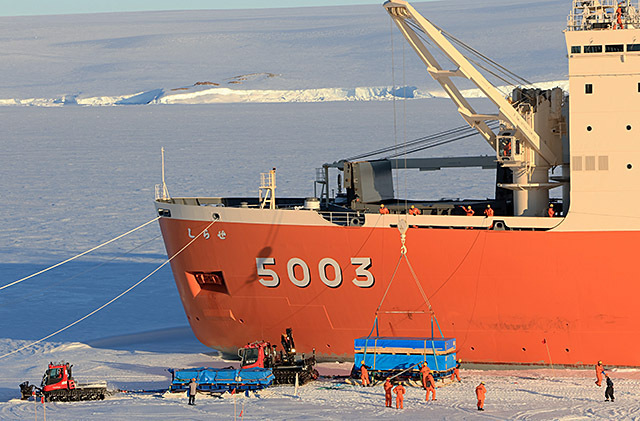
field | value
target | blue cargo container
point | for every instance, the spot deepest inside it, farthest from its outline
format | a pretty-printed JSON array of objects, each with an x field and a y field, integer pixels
[
  {"x": 218, "y": 380},
  {"x": 385, "y": 355}
]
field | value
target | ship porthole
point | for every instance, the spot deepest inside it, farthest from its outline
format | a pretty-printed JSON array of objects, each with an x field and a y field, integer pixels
[
  {"x": 355, "y": 221},
  {"x": 524, "y": 349},
  {"x": 589, "y": 128},
  {"x": 215, "y": 216},
  {"x": 629, "y": 127},
  {"x": 566, "y": 349},
  {"x": 473, "y": 349},
  {"x": 629, "y": 166}
]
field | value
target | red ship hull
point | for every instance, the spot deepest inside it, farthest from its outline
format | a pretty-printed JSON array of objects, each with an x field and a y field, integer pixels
[{"x": 523, "y": 297}]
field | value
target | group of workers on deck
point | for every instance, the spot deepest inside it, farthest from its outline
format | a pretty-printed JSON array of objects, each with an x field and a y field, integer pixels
[
  {"x": 429, "y": 384},
  {"x": 488, "y": 212}
]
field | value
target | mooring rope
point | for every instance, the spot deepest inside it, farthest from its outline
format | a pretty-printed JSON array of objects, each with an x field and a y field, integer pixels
[
  {"x": 111, "y": 301},
  {"x": 78, "y": 255}
]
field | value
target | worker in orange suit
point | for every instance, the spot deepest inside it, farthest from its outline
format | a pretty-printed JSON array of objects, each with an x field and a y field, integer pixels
[
  {"x": 414, "y": 211},
  {"x": 488, "y": 212},
  {"x": 399, "y": 391},
  {"x": 456, "y": 371},
  {"x": 364, "y": 375},
  {"x": 619, "y": 24},
  {"x": 388, "y": 400},
  {"x": 480, "y": 392},
  {"x": 431, "y": 387},
  {"x": 424, "y": 371},
  {"x": 383, "y": 210},
  {"x": 599, "y": 373},
  {"x": 468, "y": 210},
  {"x": 551, "y": 211}
]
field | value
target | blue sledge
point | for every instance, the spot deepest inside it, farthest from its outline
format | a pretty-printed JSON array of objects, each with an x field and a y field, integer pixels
[
  {"x": 219, "y": 380},
  {"x": 387, "y": 356}
]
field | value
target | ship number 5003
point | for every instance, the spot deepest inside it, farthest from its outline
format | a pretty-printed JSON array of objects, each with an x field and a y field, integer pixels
[{"x": 363, "y": 279}]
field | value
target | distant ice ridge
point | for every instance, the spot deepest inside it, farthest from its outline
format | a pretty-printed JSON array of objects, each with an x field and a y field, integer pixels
[{"x": 207, "y": 94}]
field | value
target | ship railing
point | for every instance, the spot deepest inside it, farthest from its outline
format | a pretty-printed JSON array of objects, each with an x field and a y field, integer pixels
[
  {"x": 345, "y": 219},
  {"x": 601, "y": 14}
]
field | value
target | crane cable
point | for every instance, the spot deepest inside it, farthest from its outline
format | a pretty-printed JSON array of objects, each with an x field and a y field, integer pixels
[
  {"x": 78, "y": 255},
  {"x": 111, "y": 301}
]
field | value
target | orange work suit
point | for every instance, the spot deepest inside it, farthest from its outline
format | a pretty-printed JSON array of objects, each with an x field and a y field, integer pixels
[
  {"x": 599, "y": 370},
  {"x": 399, "y": 391},
  {"x": 468, "y": 211},
  {"x": 414, "y": 211},
  {"x": 384, "y": 211},
  {"x": 425, "y": 371},
  {"x": 551, "y": 212},
  {"x": 456, "y": 373},
  {"x": 431, "y": 387},
  {"x": 488, "y": 212},
  {"x": 388, "y": 400},
  {"x": 364, "y": 375},
  {"x": 480, "y": 392}
]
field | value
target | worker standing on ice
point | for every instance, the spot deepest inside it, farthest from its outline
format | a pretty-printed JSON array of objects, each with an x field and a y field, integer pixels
[
  {"x": 388, "y": 400},
  {"x": 424, "y": 371},
  {"x": 480, "y": 392},
  {"x": 364, "y": 375},
  {"x": 599, "y": 373},
  {"x": 608, "y": 393},
  {"x": 456, "y": 371},
  {"x": 384, "y": 210},
  {"x": 192, "y": 391},
  {"x": 431, "y": 387},
  {"x": 399, "y": 391}
]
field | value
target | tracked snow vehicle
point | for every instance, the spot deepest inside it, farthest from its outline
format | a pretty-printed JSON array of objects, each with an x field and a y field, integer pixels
[
  {"x": 59, "y": 385},
  {"x": 285, "y": 365}
]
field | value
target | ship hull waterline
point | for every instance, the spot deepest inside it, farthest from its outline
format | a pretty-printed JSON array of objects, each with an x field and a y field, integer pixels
[{"x": 513, "y": 297}]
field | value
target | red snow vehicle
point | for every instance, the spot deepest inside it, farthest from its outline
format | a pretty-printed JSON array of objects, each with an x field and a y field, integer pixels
[
  {"x": 285, "y": 366},
  {"x": 58, "y": 385}
]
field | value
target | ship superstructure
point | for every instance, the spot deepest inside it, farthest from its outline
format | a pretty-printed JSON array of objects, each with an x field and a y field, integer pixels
[{"x": 515, "y": 287}]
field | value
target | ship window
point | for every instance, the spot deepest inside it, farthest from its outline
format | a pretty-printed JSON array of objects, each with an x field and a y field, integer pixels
[
  {"x": 614, "y": 48},
  {"x": 593, "y": 48},
  {"x": 603, "y": 163},
  {"x": 211, "y": 281},
  {"x": 588, "y": 88},
  {"x": 633, "y": 47},
  {"x": 576, "y": 49},
  {"x": 638, "y": 86},
  {"x": 590, "y": 163}
]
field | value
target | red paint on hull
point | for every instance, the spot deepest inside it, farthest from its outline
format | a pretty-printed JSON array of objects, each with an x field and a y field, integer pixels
[{"x": 500, "y": 293}]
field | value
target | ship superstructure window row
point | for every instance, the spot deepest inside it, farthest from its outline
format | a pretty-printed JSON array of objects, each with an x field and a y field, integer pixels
[{"x": 610, "y": 48}]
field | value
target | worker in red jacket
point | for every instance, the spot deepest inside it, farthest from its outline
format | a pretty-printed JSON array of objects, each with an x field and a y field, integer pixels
[
  {"x": 364, "y": 375},
  {"x": 431, "y": 387},
  {"x": 488, "y": 212},
  {"x": 480, "y": 392},
  {"x": 456, "y": 371},
  {"x": 399, "y": 391},
  {"x": 388, "y": 400},
  {"x": 414, "y": 211},
  {"x": 424, "y": 371},
  {"x": 384, "y": 210},
  {"x": 551, "y": 211},
  {"x": 599, "y": 373}
]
